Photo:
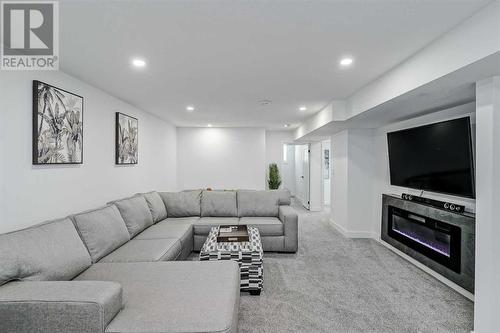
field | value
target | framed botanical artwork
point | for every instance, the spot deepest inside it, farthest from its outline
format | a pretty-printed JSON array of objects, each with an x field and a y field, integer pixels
[
  {"x": 127, "y": 139},
  {"x": 57, "y": 125}
]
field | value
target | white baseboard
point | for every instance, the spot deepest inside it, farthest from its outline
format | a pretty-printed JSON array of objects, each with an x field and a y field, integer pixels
[
  {"x": 352, "y": 234},
  {"x": 315, "y": 208},
  {"x": 429, "y": 271}
]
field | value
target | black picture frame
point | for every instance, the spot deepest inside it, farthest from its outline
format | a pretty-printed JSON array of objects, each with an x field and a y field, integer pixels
[
  {"x": 60, "y": 141},
  {"x": 132, "y": 157}
]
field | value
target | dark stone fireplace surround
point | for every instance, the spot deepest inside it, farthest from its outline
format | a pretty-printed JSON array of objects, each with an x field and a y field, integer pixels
[{"x": 460, "y": 267}]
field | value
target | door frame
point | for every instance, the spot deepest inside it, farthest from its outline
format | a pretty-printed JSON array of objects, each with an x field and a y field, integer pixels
[{"x": 306, "y": 205}]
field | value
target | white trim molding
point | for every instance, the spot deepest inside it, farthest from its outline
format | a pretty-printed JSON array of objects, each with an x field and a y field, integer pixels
[{"x": 352, "y": 234}]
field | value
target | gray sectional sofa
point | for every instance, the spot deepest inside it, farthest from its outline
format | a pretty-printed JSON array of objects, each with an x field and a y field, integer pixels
[{"x": 113, "y": 269}]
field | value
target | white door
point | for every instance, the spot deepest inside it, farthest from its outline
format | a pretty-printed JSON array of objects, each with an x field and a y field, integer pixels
[{"x": 302, "y": 174}]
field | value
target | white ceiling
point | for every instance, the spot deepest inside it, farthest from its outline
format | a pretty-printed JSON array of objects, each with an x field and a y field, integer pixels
[{"x": 225, "y": 56}]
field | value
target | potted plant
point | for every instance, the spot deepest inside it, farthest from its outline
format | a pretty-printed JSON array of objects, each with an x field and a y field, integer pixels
[{"x": 274, "y": 180}]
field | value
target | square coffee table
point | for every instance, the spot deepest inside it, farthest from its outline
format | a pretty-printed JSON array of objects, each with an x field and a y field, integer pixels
[{"x": 247, "y": 254}]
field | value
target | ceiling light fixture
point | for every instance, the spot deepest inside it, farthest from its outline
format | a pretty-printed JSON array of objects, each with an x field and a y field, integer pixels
[
  {"x": 190, "y": 108},
  {"x": 302, "y": 108},
  {"x": 346, "y": 62},
  {"x": 209, "y": 125},
  {"x": 138, "y": 62}
]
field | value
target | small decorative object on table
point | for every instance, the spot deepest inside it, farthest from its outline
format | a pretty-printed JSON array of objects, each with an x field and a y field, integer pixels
[
  {"x": 248, "y": 254},
  {"x": 233, "y": 233}
]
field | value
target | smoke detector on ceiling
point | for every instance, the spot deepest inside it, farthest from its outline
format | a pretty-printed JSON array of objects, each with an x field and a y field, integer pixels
[{"x": 265, "y": 102}]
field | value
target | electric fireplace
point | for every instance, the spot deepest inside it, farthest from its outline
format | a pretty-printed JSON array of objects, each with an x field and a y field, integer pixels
[
  {"x": 444, "y": 241},
  {"x": 437, "y": 240}
]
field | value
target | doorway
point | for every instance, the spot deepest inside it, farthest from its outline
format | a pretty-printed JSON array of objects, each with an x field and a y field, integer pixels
[{"x": 297, "y": 171}]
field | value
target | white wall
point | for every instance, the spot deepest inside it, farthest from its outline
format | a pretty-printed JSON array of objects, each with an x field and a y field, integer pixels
[
  {"x": 30, "y": 194},
  {"x": 381, "y": 167},
  {"x": 487, "y": 289},
  {"x": 221, "y": 158},
  {"x": 288, "y": 167},
  {"x": 274, "y": 154}
]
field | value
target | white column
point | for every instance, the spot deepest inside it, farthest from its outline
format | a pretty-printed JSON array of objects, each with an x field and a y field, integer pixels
[
  {"x": 338, "y": 185},
  {"x": 353, "y": 162},
  {"x": 487, "y": 280}
]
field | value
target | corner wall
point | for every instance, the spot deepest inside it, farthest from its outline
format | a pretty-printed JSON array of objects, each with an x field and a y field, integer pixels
[{"x": 31, "y": 194}]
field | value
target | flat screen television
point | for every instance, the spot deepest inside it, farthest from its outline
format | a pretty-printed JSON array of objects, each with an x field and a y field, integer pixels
[{"x": 436, "y": 157}]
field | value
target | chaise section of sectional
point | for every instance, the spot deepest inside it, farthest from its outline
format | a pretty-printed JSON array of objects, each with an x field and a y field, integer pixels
[{"x": 173, "y": 296}]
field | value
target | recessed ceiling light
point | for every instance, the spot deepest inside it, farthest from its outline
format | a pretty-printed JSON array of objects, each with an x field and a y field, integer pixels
[
  {"x": 138, "y": 62},
  {"x": 346, "y": 61},
  {"x": 286, "y": 125},
  {"x": 190, "y": 108},
  {"x": 302, "y": 108},
  {"x": 209, "y": 125}
]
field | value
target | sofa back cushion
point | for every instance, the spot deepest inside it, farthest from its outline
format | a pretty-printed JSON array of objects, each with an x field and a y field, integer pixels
[
  {"x": 219, "y": 203},
  {"x": 156, "y": 206},
  {"x": 102, "y": 230},
  {"x": 135, "y": 213},
  {"x": 257, "y": 203},
  {"x": 182, "y": 204},
  {"x": 48, "y": 251},
  {"x": 284, "y": 197}
]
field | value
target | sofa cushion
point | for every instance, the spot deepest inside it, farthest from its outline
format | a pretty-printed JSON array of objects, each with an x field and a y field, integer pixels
[
  {"x": 145, "y": 250},
  {"x": 257, "y": 203},
  {"x": 268, "y": 226},
  {"x": 204, "y": 224},
  {"x": 283, "y": 196},
  {"x": 48, "y": 251},
  {"x": 135, "y": 213},
  {"x": 181, "y": 220},
  {"x": 59, "y": 306},
  {"x": 156, "y": 206},
  {"x": 182, "y": 204},
  {"x": 173, "y": 296},
  {"x": 102, "y": 230},
  {"x": 166, "y": 230},
  {"x": 219, "y": 203}
]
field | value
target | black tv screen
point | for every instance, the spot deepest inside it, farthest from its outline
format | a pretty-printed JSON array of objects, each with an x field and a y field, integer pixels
[{"x": 436, "y": 157}]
